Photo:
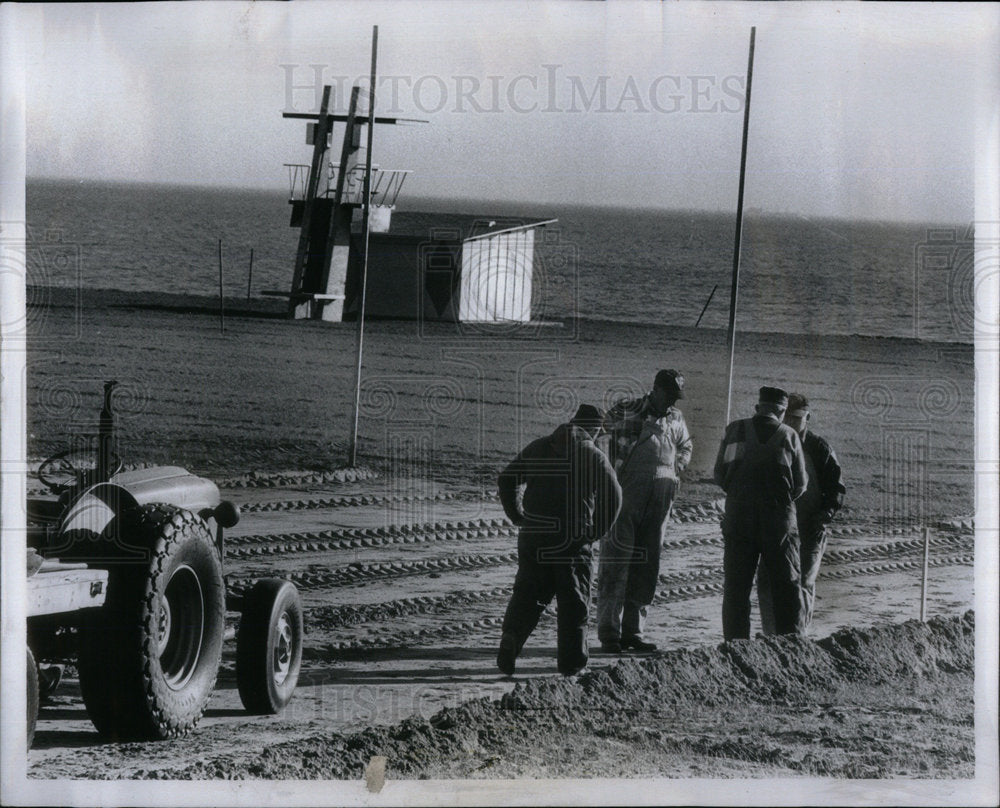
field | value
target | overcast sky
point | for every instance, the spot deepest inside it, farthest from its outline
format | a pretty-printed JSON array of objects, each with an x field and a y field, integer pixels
[{"x": 857, "y": 110}]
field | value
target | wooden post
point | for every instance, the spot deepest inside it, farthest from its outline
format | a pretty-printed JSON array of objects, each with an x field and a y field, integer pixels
[
  {"x": 315, "y": 171},
  {"x": 339, "y": 232},
  {"x": 364, "y": 263},
  {"x": 739, "y": 229},
  {"x": 250, "y": 275},
  {"x": 222, "y": 305},
  {"x": 705, "y": 308},
  {"x": 923, "y": 579}
]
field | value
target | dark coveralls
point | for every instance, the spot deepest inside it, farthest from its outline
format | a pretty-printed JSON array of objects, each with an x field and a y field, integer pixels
[
  {"x": 814, "y": 510},
  {"x": 762, "y": 469},
  {"x": 570, "y": 499}
]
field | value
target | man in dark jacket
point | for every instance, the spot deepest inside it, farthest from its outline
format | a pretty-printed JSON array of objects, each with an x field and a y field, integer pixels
[
  {"x": 762, "y": 469},
  {"x": 562, "y": 493},
  {"x": 814, "y": 510}
]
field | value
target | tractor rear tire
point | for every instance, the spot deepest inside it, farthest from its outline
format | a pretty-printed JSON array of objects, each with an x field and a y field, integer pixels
[
  {"x": 31, "y": 703},
  {"x": 150, "y": 656},
  {"x": 269, "y": 646}
]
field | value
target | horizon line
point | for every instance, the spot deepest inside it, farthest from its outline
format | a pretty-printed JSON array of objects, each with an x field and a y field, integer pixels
[{"x": 458, "y": 200}]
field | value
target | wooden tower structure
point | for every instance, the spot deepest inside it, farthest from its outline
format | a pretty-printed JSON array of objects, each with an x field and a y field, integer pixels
[{"x": 324, "y": 209}]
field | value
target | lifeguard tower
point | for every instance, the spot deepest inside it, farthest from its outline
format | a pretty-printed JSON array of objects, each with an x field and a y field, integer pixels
[
  {"x": 324, "y": 197},
  {"x": 478, "y": 272}
]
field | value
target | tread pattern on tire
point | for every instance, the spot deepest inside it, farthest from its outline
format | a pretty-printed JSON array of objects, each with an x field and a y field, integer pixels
[
  {"x": 122, "y": 685},
  {"x": 253, "y": 650},
  {"x": 31, "y": 703}
]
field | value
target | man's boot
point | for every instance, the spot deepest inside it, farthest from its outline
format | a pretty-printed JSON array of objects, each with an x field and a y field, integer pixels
[{"x": 507, "y": 653}]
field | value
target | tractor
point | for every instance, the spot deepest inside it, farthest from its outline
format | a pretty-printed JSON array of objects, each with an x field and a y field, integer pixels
[{"x": 126, "y": 579}]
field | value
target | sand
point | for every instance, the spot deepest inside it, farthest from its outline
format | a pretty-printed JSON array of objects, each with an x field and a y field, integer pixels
[
  {"x": 455, "y": 402},
  {"x": 405, "y": 567}
]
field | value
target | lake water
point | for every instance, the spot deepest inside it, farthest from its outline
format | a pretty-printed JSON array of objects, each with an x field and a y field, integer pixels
[{"x": 648, "y": 266}]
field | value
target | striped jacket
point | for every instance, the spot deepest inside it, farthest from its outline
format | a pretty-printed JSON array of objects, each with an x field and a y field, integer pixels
[{"x": 656, "y": 439}]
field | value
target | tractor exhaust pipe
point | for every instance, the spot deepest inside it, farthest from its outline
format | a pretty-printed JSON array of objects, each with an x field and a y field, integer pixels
[{"x": 106, "y": 435}]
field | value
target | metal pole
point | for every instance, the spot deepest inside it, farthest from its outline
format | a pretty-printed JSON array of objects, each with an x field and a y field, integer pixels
[
  {"x": 222, "y": 305},
  {"x": 250, "y": 275},
  {"x": 353, "y": 449},
  {"x": 923, "y": 579},
  {"x": 739, "y": 228},
  {"x": 705, "y": 308}
]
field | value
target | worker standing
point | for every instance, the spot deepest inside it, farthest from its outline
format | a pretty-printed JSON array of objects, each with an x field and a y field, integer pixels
[
  {"x": 562, "y": 493},
  {"x": 650, "y": 446},
  {"x": 762, "y": 469},
  {"x": 814, "y": 510}
]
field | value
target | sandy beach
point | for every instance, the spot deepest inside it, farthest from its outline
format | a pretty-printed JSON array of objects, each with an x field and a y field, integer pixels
[
  {"x": 824, "y": 174},
  {"x": 405, "y": 568},
  {"x": 269, "y": 395}
]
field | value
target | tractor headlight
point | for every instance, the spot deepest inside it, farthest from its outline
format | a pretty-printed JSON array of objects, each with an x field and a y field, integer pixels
[{"x": 227, "y": 513}]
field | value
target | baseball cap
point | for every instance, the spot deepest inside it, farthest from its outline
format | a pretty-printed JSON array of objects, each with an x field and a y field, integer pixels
[
  {"x": 670, "y": 381},
  {"x": 588, "y": 417},
  {"x": 773, "y": 395}
]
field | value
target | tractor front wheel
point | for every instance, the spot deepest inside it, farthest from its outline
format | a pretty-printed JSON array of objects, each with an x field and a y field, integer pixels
[{"x": 269, "y": 646}]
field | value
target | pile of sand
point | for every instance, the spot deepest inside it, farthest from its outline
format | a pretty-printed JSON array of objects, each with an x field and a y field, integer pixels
[{"x": 782, "y": 705}]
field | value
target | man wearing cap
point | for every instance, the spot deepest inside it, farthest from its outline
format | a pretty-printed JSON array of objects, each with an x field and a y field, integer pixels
[
  {"x": 814, "y": 510},
  {"x": 562, "y": 493},
  {"x": 762, "y": 469},
  {"x": 649, "y": 446}
]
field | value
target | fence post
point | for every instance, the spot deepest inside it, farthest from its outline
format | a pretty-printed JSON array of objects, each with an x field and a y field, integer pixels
[{"x": 923, "y": 579}]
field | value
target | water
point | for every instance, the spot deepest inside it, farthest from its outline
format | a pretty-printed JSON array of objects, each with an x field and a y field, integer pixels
[{"x": 644, "y": 266}]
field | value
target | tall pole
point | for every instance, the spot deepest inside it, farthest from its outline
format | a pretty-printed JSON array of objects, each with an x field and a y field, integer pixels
[
  {"x": 353, "y": 452},
  {"x": 733, "y": 292}
]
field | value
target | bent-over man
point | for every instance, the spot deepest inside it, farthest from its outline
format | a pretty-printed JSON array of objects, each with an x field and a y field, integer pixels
[
  {"x": 562, "y": 493},
  {"x": 814, "y": 510},
  {"x": 762, "y": 469}
]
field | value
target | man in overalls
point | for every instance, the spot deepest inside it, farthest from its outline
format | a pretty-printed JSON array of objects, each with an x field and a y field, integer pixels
[
  {"x": 762, "y": 469},
  {"x": 814, "y": 510},
  {"x": 650, "y": 445},
  {"x": 562, "y": 493}
]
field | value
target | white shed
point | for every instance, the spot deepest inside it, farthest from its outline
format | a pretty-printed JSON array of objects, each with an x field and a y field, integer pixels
[
  {"x": 495, "y": 278},
  {"x": 428, "y": 269}
]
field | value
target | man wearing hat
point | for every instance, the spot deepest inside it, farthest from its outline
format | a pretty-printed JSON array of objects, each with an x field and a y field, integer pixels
[
  {"x": 650, "y": 445},
  {"x": 562, "y": 493},
  {"x": 814, "y": 510},
  {"x": 762, "y": 469}
]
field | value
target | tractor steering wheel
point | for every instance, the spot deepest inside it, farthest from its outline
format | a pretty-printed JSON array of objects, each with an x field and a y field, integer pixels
[{"x": 71, "y": 467}]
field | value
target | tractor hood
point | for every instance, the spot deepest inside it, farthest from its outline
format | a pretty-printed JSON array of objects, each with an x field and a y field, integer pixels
[
  {"x": 94, "y": 510},
  {"x": 168, "y": 484}
]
